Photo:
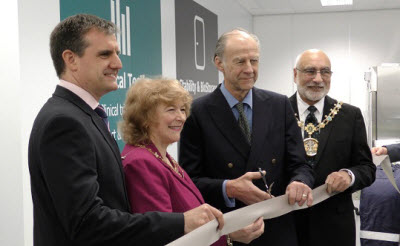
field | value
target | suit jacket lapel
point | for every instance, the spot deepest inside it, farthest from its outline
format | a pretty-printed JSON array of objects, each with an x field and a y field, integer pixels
[
  {"x": 183, "y": 180},
  {"x": 225, "y": 121},
  {"x": 97, "y": 121},
  {"x": 325, "y": 132},
  {"x": 293, "y": 102},
  {"x": 262, "y": 123}
]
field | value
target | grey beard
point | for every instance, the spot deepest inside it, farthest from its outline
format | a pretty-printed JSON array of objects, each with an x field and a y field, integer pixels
[{"x": 310, "y": 95}]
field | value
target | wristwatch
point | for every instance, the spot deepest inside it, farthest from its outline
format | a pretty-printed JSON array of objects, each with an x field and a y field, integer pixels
[{"x": 349, "y": 173}]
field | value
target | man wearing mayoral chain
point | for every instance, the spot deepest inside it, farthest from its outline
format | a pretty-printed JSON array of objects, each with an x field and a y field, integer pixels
[{"x": 336, "y": 147}]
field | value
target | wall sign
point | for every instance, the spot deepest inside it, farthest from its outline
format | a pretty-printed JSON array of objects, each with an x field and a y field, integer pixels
[
  {"x": 139, "y": 39},
  {"x": 196, "y": 35}
]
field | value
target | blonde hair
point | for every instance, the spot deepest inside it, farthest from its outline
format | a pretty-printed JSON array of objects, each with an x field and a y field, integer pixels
[{"x": 141, "y": 102}]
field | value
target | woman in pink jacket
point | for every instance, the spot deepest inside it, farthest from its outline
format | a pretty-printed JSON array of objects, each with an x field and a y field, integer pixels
[{"x": 154, "y": 114}]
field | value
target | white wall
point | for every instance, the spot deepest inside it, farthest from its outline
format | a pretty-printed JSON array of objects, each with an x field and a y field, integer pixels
[
  {"x": 354, "y": 41},
  {"x": 11, "y": 213},
  {"x": 230, "y": 14},
  {"x": 38, "y": 81}
]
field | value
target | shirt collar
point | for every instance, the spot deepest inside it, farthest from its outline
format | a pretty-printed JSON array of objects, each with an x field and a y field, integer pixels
[
  {"x": 84, "y": 95},
  {"x": 302, "y": 106},
  {"x": 232, "y": 101}
]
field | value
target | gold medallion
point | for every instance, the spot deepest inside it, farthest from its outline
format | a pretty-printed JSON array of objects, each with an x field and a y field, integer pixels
[
  {"x": 310, "y": 128},
  {"x": 311, "y": 146}
]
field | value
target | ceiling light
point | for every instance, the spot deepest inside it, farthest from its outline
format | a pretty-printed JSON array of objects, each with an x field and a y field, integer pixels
[
  {"x": 336, "y": 2},
  {"x": 390, "y": 64}
]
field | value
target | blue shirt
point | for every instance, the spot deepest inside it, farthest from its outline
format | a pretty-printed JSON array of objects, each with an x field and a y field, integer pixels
[
  {"x": 247, "y": 104},
  {"x": 248, "y": 111}
]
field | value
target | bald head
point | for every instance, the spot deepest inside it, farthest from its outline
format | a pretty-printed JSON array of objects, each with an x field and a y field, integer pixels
[
  {"x": 312, "y": 75},
  {"x": 310, "y": 54},
  {"x": 221, "y": 43}
]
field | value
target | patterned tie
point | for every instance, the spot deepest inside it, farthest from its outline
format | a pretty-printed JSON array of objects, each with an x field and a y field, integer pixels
[
  {"x": 311, "y": 119},
  {"x": 103, "y": 115},
  {"x": 243, "y": 122}
]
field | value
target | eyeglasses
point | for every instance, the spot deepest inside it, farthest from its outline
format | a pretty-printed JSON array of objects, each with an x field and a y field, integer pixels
[{"x": 312, "y": 72}]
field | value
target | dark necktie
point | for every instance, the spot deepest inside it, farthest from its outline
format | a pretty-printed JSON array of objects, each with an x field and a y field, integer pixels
[
  {"x": 102, "y": 113},
  {"x": 243, "y": 122},
  {"x": 311, "y": 119}
]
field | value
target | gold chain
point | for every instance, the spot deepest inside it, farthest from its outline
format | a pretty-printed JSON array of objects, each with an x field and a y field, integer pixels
[
  {"x": 175, "y": 167},
  {"x": 311, "y": 128}
]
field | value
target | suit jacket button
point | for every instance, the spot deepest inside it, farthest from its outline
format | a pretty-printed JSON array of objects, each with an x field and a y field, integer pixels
[
  {"x": 273, "y": 161},
  {"x": 230, "y": 165}
]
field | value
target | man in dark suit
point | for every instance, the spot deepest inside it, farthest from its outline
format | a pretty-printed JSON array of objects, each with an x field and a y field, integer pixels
[
  {"x": 393, "y": 150},
  {"x": 77, "y": 180},
  {"x": 340, "y": 157},
  {"x": 224, "y": 145}
]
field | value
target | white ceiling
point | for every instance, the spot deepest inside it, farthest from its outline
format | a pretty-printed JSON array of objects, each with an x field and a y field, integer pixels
[{"x": 273, "y": 7}]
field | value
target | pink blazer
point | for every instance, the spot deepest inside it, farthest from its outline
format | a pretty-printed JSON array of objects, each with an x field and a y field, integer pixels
[{"x": 154, "y": 186}]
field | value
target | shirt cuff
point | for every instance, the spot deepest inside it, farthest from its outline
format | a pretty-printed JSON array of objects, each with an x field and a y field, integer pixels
[
  {"x": 353, "y": 178},
  {"x": 229, "y": 202}
]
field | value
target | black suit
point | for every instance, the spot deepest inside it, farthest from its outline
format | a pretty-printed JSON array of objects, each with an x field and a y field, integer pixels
[
  {"x": 213, "y": 148},
  {"x": 342, "y": 144},
  {"x": 77, "y": 182}
]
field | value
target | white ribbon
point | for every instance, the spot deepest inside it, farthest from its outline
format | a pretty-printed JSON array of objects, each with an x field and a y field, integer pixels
[
  {"x": 237, "y": 219},
  {"x": 381, "y": 236},
  {"x": 386, "y": 165}
]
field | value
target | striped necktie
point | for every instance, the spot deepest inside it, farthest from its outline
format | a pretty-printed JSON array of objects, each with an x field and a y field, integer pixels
[{"x": 243, "y": 122}]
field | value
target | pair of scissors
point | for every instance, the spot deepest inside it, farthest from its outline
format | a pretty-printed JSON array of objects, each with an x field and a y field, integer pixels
[{"x": 269, "y": 188}]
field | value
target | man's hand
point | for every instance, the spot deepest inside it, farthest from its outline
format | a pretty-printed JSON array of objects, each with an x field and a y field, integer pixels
[
  {"x": 338, "y": 181},
  {"x": 300, "y": 193},
  {"x": 244, "y": 190},
  {"x": 250, "y": 232},
  {"x": 201, "y": 215},
  {"x": 379, "y": 150}
]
